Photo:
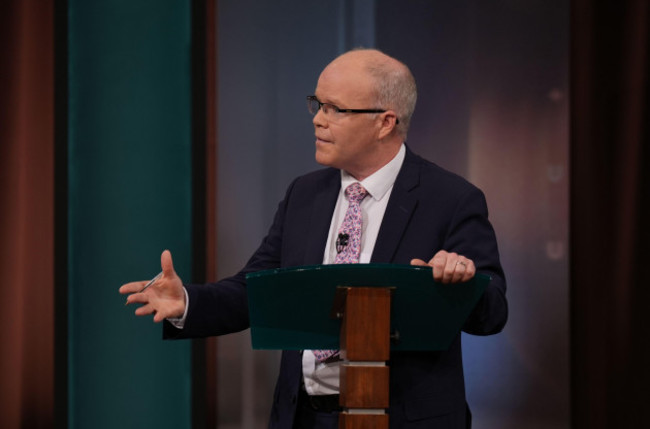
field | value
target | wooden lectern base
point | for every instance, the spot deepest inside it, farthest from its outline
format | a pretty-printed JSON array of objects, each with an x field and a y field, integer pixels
[{"x": 365, "y": 345}]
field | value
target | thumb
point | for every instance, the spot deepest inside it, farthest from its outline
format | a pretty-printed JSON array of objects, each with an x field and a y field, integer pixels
[
  {"x": 419, "y": 262},
  {"x": 167, "y": 264}
]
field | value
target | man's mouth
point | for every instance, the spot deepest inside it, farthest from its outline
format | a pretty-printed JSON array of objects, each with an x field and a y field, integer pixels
[{"x": 322, "y": 140}]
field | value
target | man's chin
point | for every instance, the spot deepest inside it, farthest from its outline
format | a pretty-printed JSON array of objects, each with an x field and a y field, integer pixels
[{"x": 323, "y": 159}]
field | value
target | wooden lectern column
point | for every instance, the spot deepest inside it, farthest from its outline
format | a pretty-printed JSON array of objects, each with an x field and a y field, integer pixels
[{"x": 365, "y": 345}]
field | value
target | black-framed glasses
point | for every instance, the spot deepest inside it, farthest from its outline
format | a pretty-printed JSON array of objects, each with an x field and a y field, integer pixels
[{"x": 314, "y": 104}]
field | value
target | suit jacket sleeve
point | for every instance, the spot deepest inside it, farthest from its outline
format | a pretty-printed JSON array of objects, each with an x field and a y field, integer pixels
[{"x": 471, "y": 234}]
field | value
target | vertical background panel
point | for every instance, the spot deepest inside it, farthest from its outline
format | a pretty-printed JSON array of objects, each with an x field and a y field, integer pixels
[
  {"x": 129, "y": 199},
  {"x": 268, "y": 53},
  {"x": 27, "y": 342},
  {"x": 493, "y": 107}
]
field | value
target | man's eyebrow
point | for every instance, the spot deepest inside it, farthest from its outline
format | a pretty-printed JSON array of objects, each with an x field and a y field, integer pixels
[{"x": 327, "y": 100}]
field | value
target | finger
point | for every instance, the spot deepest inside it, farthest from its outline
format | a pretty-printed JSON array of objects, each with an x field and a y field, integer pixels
[
  {"x": 449, "y": 267},
  {"x": 137, "y": 298},
  {"x": 159, "y": 317},
  {"x": 460, "y": 268},
  {"x": 132, "y": 287},
  {"x": 439, "y": 264},
  {"x": 167, "y": 264},
  {"x": 167, "y": 310},
  {"x": 145, "y": 310},
  {"x": 419, "y": 262},
  {"x": 440, "y": 256},
  {"x": 470, "y": 271}
]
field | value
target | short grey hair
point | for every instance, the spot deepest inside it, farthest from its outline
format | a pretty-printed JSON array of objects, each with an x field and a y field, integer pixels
[{"x": 396, "y": 89}]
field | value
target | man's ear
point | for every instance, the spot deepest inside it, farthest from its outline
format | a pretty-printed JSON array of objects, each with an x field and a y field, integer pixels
[{"x": 389, "y": 122}]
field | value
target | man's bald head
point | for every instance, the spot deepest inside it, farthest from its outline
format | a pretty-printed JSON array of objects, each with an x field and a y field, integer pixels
[{"x": 393, "y": 84}]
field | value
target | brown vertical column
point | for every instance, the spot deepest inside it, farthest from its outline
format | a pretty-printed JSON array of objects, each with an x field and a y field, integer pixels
[
  {"x": 610, "y": 184},
  {"x": 204, "y": 142},
  {"x": 27, "y": 214},
  {"x": 365, "y": 345},
  {"x": 211, "y": 195}
]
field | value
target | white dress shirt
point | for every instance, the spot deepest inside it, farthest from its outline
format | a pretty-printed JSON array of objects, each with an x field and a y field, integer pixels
[{"x": 323, "y": 378}]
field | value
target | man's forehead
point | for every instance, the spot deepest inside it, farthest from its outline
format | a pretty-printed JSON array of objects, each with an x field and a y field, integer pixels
[
  {"x": 340, "y": 97},
  {"x": 337, "y": 85}
]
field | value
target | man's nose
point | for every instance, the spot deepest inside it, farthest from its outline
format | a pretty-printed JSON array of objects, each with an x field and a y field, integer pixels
[{"x": 319, "y": 119}]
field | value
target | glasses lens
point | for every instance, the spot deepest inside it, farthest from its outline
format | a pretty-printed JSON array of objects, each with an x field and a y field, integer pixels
[{"x": 312, "y": 105}]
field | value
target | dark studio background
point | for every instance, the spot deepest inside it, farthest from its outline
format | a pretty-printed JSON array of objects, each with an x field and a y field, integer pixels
[{"x": 128, "y": 127}]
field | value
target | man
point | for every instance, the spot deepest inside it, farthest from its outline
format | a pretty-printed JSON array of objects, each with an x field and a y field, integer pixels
[{"x": 410, "y": 211}]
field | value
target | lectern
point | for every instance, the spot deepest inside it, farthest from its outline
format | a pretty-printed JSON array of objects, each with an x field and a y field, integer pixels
[{"x": 365, "y": 310}]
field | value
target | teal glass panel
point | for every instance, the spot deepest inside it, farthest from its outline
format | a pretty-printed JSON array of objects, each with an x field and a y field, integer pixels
[{"x": 296, "y": 308}]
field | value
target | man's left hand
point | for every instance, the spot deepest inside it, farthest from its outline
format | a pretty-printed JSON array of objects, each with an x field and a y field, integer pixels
[{"x": 449, "y": 267}]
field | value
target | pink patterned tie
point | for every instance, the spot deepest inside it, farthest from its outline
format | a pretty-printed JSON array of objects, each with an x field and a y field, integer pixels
[{"x": 348, "y": 243}]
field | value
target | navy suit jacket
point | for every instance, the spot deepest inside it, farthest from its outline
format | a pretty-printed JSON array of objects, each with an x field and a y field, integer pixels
[{"x": 429, "y": 209}]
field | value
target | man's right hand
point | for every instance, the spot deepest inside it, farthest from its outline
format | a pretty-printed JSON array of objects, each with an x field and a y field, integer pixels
[
  {"x": 165, "y": 298},
  {"x": 449, "y": 267}
]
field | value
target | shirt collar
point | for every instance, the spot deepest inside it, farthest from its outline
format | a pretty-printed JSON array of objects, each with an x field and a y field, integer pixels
[{"x": 379, "y": 182}]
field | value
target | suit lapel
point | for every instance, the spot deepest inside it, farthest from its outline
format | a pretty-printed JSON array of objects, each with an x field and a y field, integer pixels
[
  {"x": 399, "y": 210},
  {"x": 321, "y": 218}
]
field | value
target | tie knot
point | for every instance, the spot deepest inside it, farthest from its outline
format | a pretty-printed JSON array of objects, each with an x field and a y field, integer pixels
[{"x": 355, "y": 192}]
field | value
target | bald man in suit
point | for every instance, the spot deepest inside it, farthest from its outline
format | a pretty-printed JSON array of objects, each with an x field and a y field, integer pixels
[{"x": 414, "y": 213}]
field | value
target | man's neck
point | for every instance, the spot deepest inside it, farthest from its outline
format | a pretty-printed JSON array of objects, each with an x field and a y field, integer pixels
[
  {"x": 381, "y": 162},
  {"x": 362, "y": 177}
]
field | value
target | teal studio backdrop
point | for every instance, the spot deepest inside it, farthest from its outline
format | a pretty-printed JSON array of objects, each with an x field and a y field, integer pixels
[{"x": 129, "y": 198}]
